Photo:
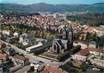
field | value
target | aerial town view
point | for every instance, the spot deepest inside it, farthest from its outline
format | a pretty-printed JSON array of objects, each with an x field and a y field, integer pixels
[{"x": 51, "y": 36}]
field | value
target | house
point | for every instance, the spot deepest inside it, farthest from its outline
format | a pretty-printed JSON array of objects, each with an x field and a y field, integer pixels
[
  {"x": 15, "y": 34},
  {"x": 83, "y": 45},
  {"x": 38, "y": 66},
  {"x": 3, "y": 57},
  {"x": 93, "y": 71},
  {"x": 97, "y": 57},
  {"x": 83, "y": 53},
  {"x": 97, "y": 62},
  {"x": 99, "y": 31},
  {"x": 2, "y": 45},
  {"x": 10, "y": 51},
  {"x": 41, "y": 40},
  {"x": 24, "y": 39},
  {"x": 92, "y": 44},
  {"x": 49, "y": 69},
  {"x": 87, "y": 28},
  {"x": 95, "y": 51},
  {"x": 21, "y": 60},
  {"x": 6, "y": 32}
]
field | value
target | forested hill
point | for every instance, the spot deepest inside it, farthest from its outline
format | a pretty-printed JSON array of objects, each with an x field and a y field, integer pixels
[{"x": 43, "y": 7}]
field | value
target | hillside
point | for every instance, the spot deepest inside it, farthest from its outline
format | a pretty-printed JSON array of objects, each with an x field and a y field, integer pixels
[{"x": 43, "y": 7}]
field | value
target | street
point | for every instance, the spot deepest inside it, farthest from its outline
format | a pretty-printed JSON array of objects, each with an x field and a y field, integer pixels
[
  {"x": 23, "y": 70},
  {"x": 33, "y": 58}
]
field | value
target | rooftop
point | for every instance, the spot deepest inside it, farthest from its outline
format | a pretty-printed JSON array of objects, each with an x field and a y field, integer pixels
[
  {"x": 3, "y": 56},
  {"x": 87, "y": 51},
  {"x": 2, "y": 45},
  {"x": 51, "y": 70},
  {"x": 20, "y": 57}
]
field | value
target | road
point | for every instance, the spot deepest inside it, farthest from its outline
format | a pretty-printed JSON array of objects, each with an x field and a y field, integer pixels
[
  {"x": 36, "y": 58},
  {"x": 24, "y": 69}
]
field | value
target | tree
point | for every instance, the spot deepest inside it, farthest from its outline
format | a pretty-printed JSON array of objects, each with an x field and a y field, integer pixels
[
  {"x": 100, "y": 42},
  {"x": 84, "y": 66},
  {"x": 75, "y": 49}
]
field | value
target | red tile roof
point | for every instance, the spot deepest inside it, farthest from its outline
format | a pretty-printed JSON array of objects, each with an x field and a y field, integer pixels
[
  {"x": 3, "y": 56},
  {"x": 94, "y": 49},
  {"x": 86, "y": 51},
  {"x": 51, "y": 70},
  {"x": 83, "y": 52},
  {"x": 88, "y": 29},
  {"x": 2, "y": 45},
  {"x": 20, "y": 57}
]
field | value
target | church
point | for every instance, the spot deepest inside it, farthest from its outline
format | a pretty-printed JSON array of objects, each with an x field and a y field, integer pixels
[{"x": 63, "y": 41}]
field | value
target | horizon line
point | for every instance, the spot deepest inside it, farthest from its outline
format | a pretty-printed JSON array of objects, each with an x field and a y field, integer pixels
[{"x": 55, "y": 4}]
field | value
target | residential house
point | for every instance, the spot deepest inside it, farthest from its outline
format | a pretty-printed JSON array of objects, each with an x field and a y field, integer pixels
[
  {"x": 83, "y": 53},
  {"x": 6, "y": 32},
  {"x": 10, "y": 51},
  {"x": 99, "y": 31},
  {"x": 38, "y": 66},
  {"x": 98, "y": 62},
  {"x": 21, "y": 60},
  {"x": 95, "y": 51},
  {"x": 49, "y": 69},
  {"x": 16, "y": 34},
  {"x": 3, "y": 57},
  {"x": 92, "y": 44},
  {"x": 24, "y": 39},
  {"x": 2, "y": 45},
  {"x": 83, "y": 45}
]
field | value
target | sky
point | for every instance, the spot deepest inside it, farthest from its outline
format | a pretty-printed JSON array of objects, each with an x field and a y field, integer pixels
[{"x": 52, "y": 1}]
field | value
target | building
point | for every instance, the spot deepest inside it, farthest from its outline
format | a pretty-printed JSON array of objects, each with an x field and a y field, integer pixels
[
  {"x": 91, "y": 44},
  {"x": 10, "y": 51},
  {"x": 99, "y": 31},
  {"x": 38, "y": 66},
  {"x": 50, "y": 69},
  {"x": 21, "y": 60},
  {"x": 2, "y": 45},
  {"x": 63, "y": 41},
  {"x": 6, "y": 32},
  {"x": 16, "y": 34},
  {"x": 83, "y": 45},
  {"x": 3, "y": 57},
  {"x": 24, "y": 39},
  {"x": 97, "y": 62},
  {"x": 59, "y": 46},
  {"x": 34, "y": 47},
  {"x": 83, "y": 54},
  {"x": 97, "y": 57}
]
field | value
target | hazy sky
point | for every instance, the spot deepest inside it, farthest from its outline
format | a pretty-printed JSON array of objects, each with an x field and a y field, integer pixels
[{"x": 52, "y": 1}]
